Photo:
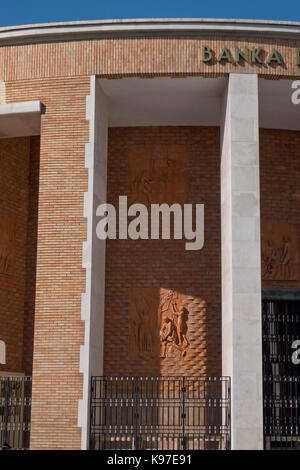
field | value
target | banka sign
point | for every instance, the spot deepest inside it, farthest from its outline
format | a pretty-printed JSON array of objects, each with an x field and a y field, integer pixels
[{"x": 254, "y": 56}]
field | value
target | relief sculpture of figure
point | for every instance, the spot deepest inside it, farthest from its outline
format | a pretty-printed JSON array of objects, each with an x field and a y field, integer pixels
[
  {"x": 159, "y": 177},
  {"x": 166, "y": 335},
  {"x": 173, "y": 331},
  {"x": 280, "y": 257},
  {"x": 142, "y": 331},
  {"x": 141, "y": 188},
  {"x": 158, "y": 324},
  {"x": 286, "y": 257},
  {"x": 181, "y": 328},
  {"x": 269, "y": 258}
]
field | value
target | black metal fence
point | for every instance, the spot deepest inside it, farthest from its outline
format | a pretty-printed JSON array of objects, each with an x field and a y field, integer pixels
[
  {"x": 281, "y": 328},
  {"x": 282, "y": 412},
  {"x": 15, "y": 410},
  {"x": 158, "y": 413}
]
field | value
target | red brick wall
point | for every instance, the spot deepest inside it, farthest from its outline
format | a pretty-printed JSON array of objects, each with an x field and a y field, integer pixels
[
  {"x": 158, "y": 264},
  {"x": 19, "y": 180},
  {"x": 279, "y": 184},
  {"x": 14, "y": 179},
  {"x": 136, "y": 56},
  {"x": 60, "y": 279},
  {"x": 31, "y": 251}
]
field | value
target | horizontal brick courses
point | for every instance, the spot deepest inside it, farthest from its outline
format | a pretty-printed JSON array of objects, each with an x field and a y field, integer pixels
[
  {"x": 279, "y": 184},
  {"x": 58, "y": 74},
  {"x": 135, "y": 56},
  {"x": 60, "y": 278},
  {"x": 166, "y": 263}
]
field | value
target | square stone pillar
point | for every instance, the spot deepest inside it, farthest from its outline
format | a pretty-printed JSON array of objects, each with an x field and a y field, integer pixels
[
  {"x": 92, "y": 311},
  {"x": 241, "y": 270}
]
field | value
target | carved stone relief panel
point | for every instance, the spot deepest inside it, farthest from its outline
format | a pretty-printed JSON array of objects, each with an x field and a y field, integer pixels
[
  {"x": 144, "y": 323},
  {"x": 280, "y": 255},
  {"x": 163, "y": 324},
  {"x": 7, "y": 243},
  {"x": 174, "y": 315},
  {"x": 158, "y": 174}
]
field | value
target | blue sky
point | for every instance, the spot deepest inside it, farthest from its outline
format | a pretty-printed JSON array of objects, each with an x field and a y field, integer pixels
[{"x": 16, "y": 12}]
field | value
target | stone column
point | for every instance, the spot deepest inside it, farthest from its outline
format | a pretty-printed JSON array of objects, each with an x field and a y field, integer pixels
[
  {"x": 2, "y": 352},
  {"x": 241, "y": 270},
  {"x": 91, "y": 354}
]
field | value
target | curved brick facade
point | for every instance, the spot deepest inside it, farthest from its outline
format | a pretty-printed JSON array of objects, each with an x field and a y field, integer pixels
[{"x": 48, "y": 278}]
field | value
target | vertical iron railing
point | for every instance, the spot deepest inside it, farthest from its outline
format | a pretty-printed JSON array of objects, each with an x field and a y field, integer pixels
[
  {"x": 281, "y": 412},
  {"x": 15, "y": 411},
  {"x": 183, "y": 414},
  {"x": 171, "y": 413},
  {"x": 281, "y": 327}
]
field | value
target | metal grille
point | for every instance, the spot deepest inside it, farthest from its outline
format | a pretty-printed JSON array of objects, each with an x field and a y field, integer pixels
[
  {"x": 170, "y": 413},
  {"x": 281, "y": 412},
  {"x": 281, "y": 328},
  {"x": 15, "y": 408}
]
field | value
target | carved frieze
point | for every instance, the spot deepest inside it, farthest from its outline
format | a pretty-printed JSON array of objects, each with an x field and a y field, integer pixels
[
  {"x": 144, "y": 323},
  {"x": 280, "y": 255},
  {"x": 161, "y": 324},
  {"x": 158, "y": 174},
  {"x": 173, "y": 324}
]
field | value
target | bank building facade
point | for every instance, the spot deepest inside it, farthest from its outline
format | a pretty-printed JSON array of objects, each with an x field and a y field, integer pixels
[{"x": 139, "y": 342}]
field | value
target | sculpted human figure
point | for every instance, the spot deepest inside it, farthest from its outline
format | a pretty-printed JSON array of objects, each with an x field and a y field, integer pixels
[
  {"x": 181, "y": 327},
  {"x": 167, "y": 335},
  {"x": 142, "y": 188},
  {"x": 286, "y": 257},
  {"x": 269, "y": 258}
]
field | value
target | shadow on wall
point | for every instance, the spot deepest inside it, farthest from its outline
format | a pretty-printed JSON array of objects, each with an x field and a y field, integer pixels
[
  {"x": 162, "y": 302},
  {"x": 167, "y": 330}
]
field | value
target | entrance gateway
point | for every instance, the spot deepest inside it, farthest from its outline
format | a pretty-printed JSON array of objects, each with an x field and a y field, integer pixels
[
  {"x": 160, "y": 413},
  {"x": 281, "y": 340},
  {"x": 193, "y": 413},
  {"x": 182, "y": 413}
]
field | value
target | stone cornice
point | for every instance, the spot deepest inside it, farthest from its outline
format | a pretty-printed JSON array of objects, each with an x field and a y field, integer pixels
[{"x": 149, "y": 27}]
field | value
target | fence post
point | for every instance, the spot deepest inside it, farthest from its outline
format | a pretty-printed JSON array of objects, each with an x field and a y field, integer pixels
[
  {"x": 137, "y": 439},
  {"x": 183, "y": 415}
]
